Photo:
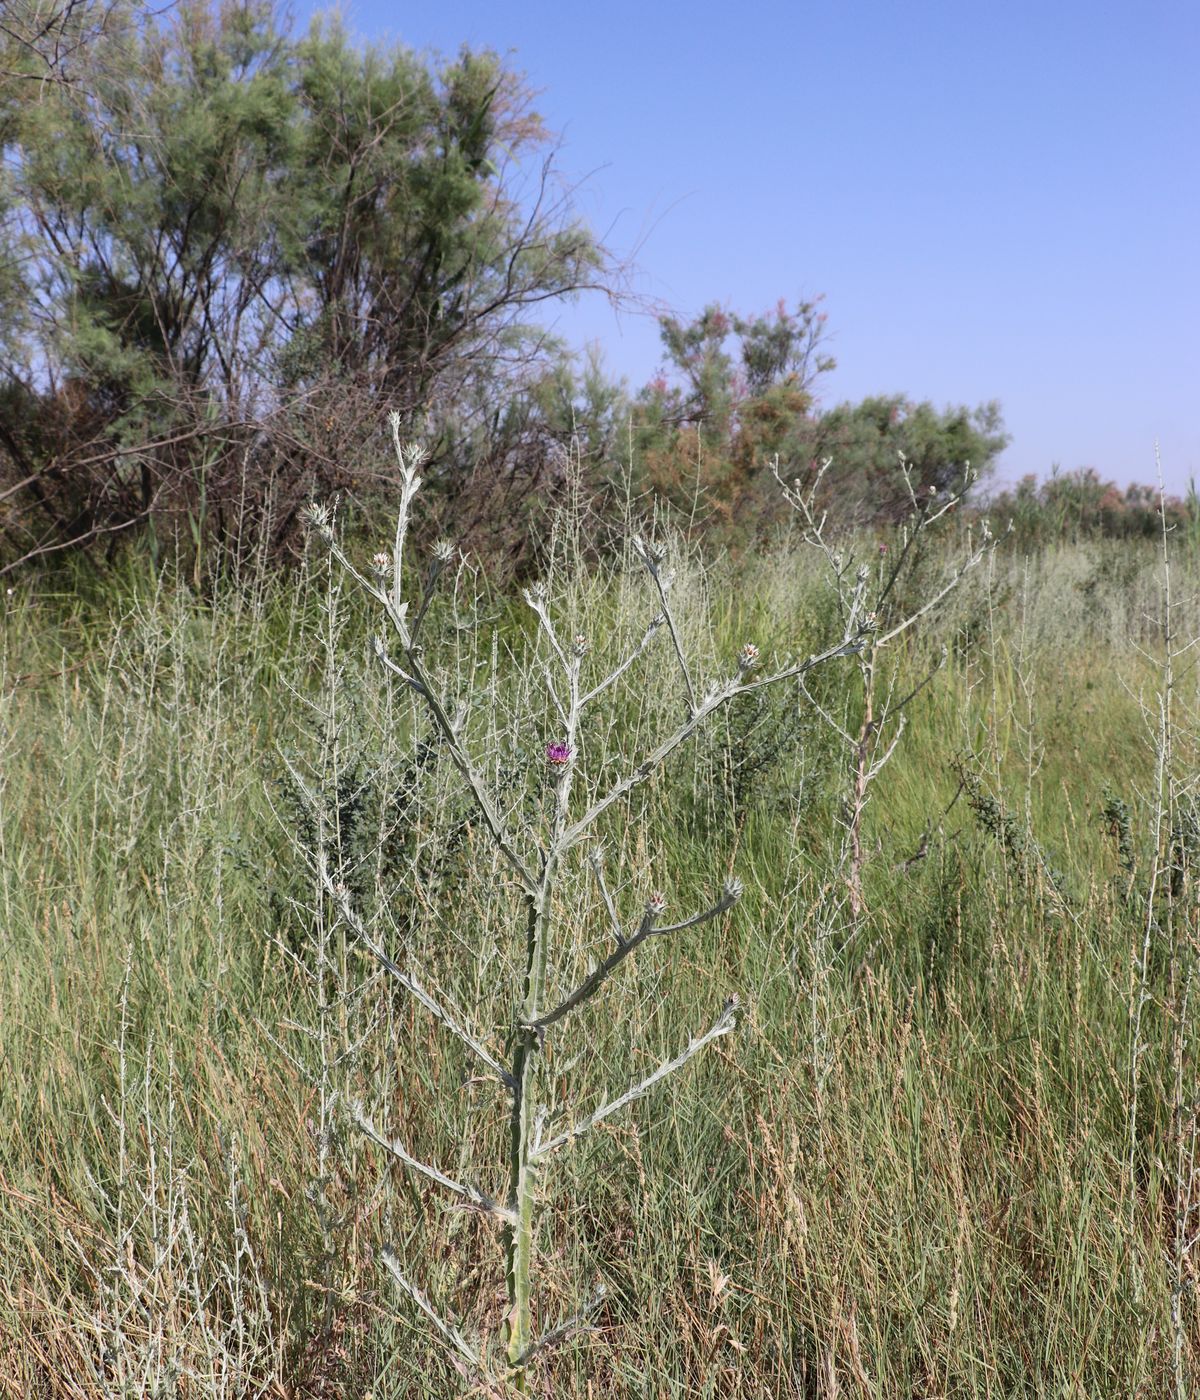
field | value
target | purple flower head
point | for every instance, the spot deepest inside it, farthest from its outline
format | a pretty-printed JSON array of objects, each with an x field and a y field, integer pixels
[{"x": 558, "y": 754}]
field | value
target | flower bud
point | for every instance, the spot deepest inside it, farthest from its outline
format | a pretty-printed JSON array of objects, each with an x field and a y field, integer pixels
[
  {"x": 319, "y": 518},
  {"x": 650, "y": 552}
]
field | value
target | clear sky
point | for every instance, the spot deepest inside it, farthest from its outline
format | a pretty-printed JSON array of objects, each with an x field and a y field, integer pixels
[{"x": 998, "y": 200}]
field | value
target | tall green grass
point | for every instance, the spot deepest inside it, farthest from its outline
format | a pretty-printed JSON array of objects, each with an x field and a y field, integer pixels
[{"x": 906, "y": 1175}]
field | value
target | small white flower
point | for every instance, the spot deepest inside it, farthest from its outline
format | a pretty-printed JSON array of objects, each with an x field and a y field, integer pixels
[
  {"x": 656, "y": 904},
  {"x": 382, "y": 563},
  {"x": 580, "y": 646}
]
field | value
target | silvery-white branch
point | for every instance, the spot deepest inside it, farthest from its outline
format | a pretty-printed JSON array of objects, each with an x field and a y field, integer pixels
[
  {"x": 866, "y": 596},
  {"x": 648, "y": 928},
  {"x": 395, "y": 1148},
  {"x": 715, "y": 698},
  {"x": 409, "y": 980},
  {"x": 391, "y": 1262},
  {"x": 615, "y": 675},
  {"x": 721, "y": 1026},
  {"x": 414, "y": 676},
  {"x": 572, "y": 1326},
  {"x": 652, "y": 557},
  {"x": 596, "y": 860}
]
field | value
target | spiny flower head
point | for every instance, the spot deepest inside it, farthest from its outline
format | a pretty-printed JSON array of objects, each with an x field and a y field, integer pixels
[
  {"x": 580, "y": 645},
  {"x": 320, "y": 518},
  {"x": 747, "y": 657},
  {"x": 382, "y": 563},
  {"x": 656, "y": 904},
  {"x": 650, "y": 552},
  {"x": 558, "y": 755}
]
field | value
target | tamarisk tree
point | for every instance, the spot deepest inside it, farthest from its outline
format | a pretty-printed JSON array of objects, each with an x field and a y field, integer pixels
[{"x": 536, "y": 858}]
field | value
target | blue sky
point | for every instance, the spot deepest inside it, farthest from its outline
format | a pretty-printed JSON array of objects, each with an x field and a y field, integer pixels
[{"x": 996, "y": 200}]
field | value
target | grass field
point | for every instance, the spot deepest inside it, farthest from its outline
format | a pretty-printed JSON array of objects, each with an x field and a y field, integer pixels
[{"x": 949, "y": 1151}]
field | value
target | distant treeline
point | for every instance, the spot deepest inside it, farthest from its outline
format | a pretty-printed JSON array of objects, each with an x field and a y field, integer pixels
[
  {"x": 1081, "y": 505},
  {"x": 228, "y": 252}
]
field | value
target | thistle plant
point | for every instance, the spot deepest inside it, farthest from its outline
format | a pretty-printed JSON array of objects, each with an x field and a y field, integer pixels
[
  {"x": 874, "y": 592},
  {"x": 534, "y": 854}
]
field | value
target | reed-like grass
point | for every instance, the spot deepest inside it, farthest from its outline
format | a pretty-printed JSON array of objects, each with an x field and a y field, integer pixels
[{"x": 907, "y": 1175}]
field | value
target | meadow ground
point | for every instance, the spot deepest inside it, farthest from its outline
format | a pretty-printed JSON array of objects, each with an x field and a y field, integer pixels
[{"x": 950, "y": 1150}]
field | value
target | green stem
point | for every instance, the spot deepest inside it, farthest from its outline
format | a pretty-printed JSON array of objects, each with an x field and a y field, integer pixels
[
  {"x": 527, "y": 1046},
  {"x": 522, "y": 1185},
  {"x": 520, "y": 1234}
]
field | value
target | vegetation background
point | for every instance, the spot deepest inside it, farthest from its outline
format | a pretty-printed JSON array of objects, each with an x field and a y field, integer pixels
[{"x": 951, "y": 1150}]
